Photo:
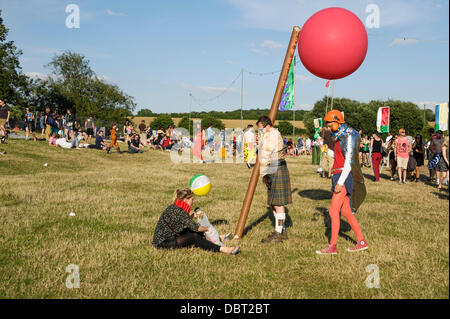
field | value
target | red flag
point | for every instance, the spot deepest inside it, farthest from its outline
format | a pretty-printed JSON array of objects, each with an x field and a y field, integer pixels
[{"x": 328, "y": 84}]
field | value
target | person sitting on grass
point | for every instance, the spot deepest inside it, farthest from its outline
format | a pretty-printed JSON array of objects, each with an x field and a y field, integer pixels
[
  {"x": 99, "y": 142},
  {"x": 176, "y": 229},
  {"x": 134, "y": 145}
]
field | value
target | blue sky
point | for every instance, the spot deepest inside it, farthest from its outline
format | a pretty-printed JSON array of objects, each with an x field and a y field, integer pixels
[{"x": 160, "y": 51}]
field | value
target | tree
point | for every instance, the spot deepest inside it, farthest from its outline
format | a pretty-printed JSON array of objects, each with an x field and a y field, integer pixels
[
  {"x": 14, "y": 86},
  {"x": 285, "y": 128},
  {"x": 74, "y": 85},
  {"x": 209, "y": 120},
  {"x": 162, "y": 121},
  {"x": 429, "y": 115},
  {"x": 184, "y": 123},
  {"x": 363, "y": 116},
  {"x": 145, "y": 113}
]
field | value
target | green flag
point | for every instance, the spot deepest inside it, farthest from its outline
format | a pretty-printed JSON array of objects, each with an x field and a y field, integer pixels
[{"x": 287, "y": 99}]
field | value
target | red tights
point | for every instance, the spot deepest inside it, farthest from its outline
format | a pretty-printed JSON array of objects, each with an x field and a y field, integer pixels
[{"x": 341, "y": 203}]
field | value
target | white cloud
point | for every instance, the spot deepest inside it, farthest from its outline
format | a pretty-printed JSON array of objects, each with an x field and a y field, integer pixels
[
  {"x": 302, "y": 78},
  {"x": 102, "y": 78},
  {"x": 206, "y": 89},
  {"x": 284, "y": 14},
  {"x": 306, "y": 107},
  {"x": 270, "y": 44},
  {"x": 37, "y": 75},
  {"x": 114, "y": 14},
  {"x": 256, "y": 49},
  {"x": 402, "y": 41}
]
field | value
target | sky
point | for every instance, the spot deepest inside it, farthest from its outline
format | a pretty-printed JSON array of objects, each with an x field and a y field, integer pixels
[{"x": 160, "y": 52}]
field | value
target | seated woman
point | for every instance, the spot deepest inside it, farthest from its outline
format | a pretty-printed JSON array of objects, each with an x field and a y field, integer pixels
[
  {"x": 134, "y": 145},
  {"x": 176, "y": 229}
]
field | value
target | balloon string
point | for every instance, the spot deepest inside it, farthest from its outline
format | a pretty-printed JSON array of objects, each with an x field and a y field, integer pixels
[
  {"x": 328, "y": 95},
  {"x": 332, "y": 95}
]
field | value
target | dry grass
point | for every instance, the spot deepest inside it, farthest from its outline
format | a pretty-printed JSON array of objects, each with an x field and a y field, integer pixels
[
  {"x": 228, "y": 123},
  {"x": 118, "y": 199}
]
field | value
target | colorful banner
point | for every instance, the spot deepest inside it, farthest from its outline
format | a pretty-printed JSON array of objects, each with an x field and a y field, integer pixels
[
  {"x": 287, "y": 99},
  {"x": 383, "y": 119},
  {"x": 441, "y": 117}
]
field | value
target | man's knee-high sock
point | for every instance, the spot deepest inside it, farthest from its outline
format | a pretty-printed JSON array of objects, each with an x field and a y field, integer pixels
[{"x": 279, "y": 222}]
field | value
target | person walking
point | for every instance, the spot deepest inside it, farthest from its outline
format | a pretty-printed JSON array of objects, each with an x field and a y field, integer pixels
[
  {"x": 375, "y": 144},
  {"x": 392, "y": 161},
  {"x": 29, "y": 124},
  {"x": 347, "y": 181},
  {"x": 365, "y": 151},
  {"x": 419, "y": 154},
  {"x": 113, "y": 139},
  {"x": 402, "y": 150}
]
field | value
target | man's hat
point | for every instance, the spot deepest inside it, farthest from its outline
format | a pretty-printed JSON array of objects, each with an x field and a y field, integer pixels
[{"x": 334, "y": 116}]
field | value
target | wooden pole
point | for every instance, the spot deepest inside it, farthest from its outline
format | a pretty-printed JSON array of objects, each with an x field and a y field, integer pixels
[
  {"x": 242, "y": 96},
  {"x": 272, "y": 115}
]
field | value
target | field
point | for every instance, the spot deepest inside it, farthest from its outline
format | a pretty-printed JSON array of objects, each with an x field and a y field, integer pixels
[
  {"x": 228, "y": 123},
  {"x": 117, "y": 200}
]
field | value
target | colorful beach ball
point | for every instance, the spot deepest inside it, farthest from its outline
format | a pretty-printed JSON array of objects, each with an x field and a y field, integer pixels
[{"x": 200, "y": 185}]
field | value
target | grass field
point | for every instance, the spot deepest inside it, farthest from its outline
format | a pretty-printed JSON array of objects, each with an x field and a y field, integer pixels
[{"x": 118, "y": 199}]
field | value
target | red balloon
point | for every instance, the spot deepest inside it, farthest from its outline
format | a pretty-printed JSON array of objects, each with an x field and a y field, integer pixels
[{"x": 333, "y": 43}]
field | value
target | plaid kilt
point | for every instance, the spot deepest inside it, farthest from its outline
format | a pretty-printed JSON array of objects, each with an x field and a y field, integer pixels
[{"x": 280, "y": 193}]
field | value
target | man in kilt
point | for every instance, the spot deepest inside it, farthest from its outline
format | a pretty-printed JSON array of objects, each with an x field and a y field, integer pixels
[{"x": 275, "y": 176}]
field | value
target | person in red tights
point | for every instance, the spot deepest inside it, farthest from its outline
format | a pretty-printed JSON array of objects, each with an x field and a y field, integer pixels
[{"x": 347, "y": 181}]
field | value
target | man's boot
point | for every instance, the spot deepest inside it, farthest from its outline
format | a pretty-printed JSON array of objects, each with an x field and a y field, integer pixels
[
  {"x": 118, "y": 150},
  {"x": 275, "y": 237}
]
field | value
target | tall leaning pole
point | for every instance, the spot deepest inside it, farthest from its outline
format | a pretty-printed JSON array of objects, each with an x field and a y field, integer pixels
[{"x": 272, "y": 115}]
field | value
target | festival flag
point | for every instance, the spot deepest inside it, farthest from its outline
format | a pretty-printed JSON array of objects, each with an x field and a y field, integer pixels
[
  {"x": 287, "y": 99},
  {"x": 441, "y": 117},
  {"x": 328, "y": 84},
  {"x": 383, "y": 119}
]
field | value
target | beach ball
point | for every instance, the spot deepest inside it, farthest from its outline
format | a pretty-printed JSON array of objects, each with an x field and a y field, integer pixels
[
  {"x": 200, "y": 185},
  {"x": 333, "y": 43}
]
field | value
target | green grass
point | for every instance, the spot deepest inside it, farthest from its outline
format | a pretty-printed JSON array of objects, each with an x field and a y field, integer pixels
[{"x": 119, "y": 198}]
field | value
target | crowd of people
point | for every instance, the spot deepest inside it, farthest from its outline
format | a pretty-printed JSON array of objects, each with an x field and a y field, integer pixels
[{"x": 401, "y": 154}]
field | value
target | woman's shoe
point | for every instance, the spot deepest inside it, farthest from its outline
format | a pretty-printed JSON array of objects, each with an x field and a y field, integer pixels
[
  {"x": 227, "y": 236},
  {"x": 236, "y": 250}
]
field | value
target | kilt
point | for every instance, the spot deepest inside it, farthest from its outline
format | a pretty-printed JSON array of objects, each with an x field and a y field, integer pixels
[{"x": 280, "y": 193}]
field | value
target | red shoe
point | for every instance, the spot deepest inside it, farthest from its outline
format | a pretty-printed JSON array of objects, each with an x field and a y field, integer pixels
[
  {"x": 362, "y": 245},
  {"x": 329, "y": 250}
]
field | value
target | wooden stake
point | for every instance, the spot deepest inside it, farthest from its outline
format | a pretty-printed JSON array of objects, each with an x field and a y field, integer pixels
[{"x": 272, "y": 115}]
